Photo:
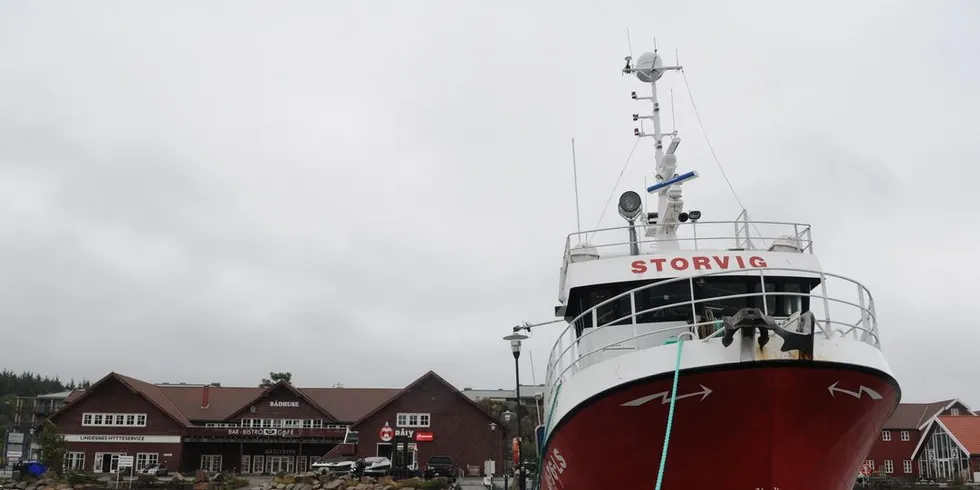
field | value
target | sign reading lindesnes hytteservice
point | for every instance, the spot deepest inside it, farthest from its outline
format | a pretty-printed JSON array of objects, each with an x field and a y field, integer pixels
[{"x": 122, "y": 438}]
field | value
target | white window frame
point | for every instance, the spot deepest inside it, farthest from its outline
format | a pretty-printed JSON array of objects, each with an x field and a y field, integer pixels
[
  {"x": 870, "y": 463},
  {"x": 211, "y": 459},
  {"x": 886, "y": 435},
  {"x": 413, "y": 420},
  {"x": 905, "y": 435},
  {"x": 907, "y": 466},
  {"x": 75, "y": 461},
  {"x": 954, "y": 411},
  {"x": 146, "y": 459},
  {"x": 889, "y": 466},
  {"x": 113, "y": 419}
]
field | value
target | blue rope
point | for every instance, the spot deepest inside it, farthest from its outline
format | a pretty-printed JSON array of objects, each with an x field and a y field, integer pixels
[{"x": 670, "y": 414}]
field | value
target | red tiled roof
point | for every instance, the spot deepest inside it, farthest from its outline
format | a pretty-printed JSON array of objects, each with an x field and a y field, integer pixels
[
  {"x": 222, "y": 401},
  {"x": 149, "y": 392},
  {"x": 156, "y": 396},
  {"x": 966, "y": 430},
  {"x": 183, "y": 403},
  {"x": 428, "y": 375},
  {"x": 913, "y": 415},
  {"x": 350, "y": 404}
]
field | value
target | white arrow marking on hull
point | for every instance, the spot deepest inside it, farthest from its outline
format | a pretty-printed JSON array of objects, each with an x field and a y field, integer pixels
[
  {"x": 665, "y": 397},
  {"x": 856, "y": 394}
]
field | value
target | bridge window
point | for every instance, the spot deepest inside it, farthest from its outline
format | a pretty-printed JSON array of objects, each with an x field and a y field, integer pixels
[{"x": 672, "y": 299}]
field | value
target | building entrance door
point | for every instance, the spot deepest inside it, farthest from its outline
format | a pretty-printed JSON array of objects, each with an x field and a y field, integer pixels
[{"x": 106, "y": 462}]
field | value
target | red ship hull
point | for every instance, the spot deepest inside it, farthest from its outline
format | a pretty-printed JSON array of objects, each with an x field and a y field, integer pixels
[{"x": 768, "y": 425}]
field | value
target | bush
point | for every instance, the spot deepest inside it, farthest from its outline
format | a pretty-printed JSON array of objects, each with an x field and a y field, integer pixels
[
  {"x": 80, "y": 478},
  {"x": 434, "y": 484},
  {"x": 234, "y": 482}
]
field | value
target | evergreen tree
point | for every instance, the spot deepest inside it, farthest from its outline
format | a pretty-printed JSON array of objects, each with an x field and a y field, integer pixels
[
  {"x": 275, "y": 378},
  {"x": 31, "y": 384},
  {"x": 26, "y": 384},
  {"x": 53, "y": 447}
]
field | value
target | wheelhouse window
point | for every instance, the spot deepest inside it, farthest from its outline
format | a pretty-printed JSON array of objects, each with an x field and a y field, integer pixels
[{"x": 670, "y": 300}]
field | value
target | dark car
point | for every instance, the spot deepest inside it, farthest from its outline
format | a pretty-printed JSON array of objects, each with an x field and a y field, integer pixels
[{"x": 440, "y": 466}]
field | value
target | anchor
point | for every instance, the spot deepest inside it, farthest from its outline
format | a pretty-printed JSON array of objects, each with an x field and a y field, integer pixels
[{"x": 749, "y": 319}]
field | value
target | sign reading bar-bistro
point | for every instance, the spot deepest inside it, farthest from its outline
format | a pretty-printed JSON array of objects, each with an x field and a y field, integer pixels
[
  {"x": 265, "y": 432},
  {"x": 122, "y": 438}
]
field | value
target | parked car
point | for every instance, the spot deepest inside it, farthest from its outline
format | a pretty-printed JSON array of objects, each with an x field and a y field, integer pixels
[
  {"x": 155, "y": 470},
  {"x": 334, "y": 464},
  {"x": 440, "y": 466}
]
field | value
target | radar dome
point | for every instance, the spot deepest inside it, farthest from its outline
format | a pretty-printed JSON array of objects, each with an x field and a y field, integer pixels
[{"x": 648, "y": 67}]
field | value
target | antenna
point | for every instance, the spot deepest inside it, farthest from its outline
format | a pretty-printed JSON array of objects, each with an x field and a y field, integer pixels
[
  {"x": 649, "y": 68},
  {"x": 629, "y": 42},
  {"x": 578, "y": 216},
  {"x": 534, "y": 378},
  {"x": 673, "y": 116}
]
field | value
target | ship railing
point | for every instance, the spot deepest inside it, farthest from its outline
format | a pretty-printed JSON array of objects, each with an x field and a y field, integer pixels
[
  {"x": 851, "y": 304},
  {"x": 700, "y": 235}
]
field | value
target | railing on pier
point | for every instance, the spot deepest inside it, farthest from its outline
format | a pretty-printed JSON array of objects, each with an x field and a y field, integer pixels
[{"x": 840, "y": 306}]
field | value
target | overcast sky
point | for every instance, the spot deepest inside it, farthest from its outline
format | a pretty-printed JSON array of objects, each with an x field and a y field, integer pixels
[{"x": 358, "y": 192}]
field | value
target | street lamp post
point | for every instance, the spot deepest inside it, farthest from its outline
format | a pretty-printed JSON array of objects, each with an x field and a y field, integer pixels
[
  {"x": 493, "y": 447},
  {"x": 515, "y": 347}
]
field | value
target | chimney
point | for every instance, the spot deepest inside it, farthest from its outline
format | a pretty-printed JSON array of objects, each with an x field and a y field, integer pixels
[{"x": 205, "y": 397}]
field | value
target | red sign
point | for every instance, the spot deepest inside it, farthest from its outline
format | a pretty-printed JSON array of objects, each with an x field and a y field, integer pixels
[
  {"x": 424, "y": 436},
  {"x": 866, "y": 469},
  {"x": 517, "y": 451},
  {"x": 386, "y": 434},
  {"x": 698, "y": 263}
]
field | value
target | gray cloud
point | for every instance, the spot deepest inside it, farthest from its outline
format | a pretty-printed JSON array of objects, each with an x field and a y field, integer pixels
[{"x": 361, "y": 193}]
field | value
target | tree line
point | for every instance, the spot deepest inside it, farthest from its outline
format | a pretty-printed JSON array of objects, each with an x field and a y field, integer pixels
[{"x": 33, "y": 384}]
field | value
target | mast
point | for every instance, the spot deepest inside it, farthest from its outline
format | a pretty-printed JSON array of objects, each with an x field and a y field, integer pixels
[{"x": 664, "y": 222}]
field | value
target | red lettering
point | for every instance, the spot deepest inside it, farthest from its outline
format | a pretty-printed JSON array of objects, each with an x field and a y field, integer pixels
[
  {"x": 722, "y": 261},
  {"x": 756, "y": 261},
  {"x": 659, "y": 263},
  {"x": 741, "y": 263},
  {"x": 701, "y": 263},
  {"x": 639, "y": 267},
  {"x": 679, "y": 263}
]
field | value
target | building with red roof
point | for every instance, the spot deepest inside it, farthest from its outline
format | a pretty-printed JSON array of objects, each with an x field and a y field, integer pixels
[
  {"x": 893, "y": 455},
  {"x": 950, "y": 449},
  {"x": 256, "y": 430}
]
